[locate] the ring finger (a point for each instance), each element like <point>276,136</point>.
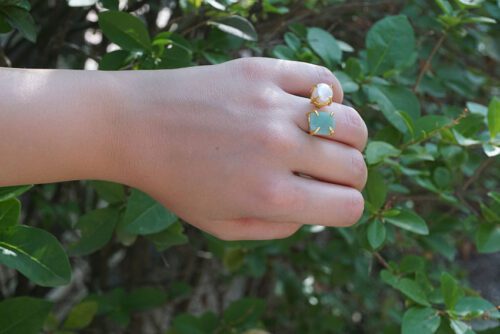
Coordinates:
<point>350,128</point>
<point>331,162</point>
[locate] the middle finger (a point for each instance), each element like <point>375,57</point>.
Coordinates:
<point>350,128</point>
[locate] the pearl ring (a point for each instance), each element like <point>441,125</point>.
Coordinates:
<point>321,122</point>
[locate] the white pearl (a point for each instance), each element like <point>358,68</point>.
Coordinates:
<point>323,93</point>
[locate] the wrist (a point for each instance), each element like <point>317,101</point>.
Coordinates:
<point>111,119</point>
<point>85,125</point>
<point>136,119</point>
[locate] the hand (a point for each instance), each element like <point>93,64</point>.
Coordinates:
<point>222,146</point>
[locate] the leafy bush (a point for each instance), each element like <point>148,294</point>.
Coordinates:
<point>423,74</point>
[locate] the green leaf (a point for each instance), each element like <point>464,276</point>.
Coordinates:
<point>376,233</point>
<point>215,57</point>
<point>283,52</point>
<point>234,258</point>
<point>175,50</point>
<point>246,310</point>
<point>378,151</point>
<point>412,264</point>
<point>418,320</point>
<point>354,68</point>
<point>376,189</point>
<point>9,212</point>
<point>111,4</point>
<point>442,177</point>
<point>171,236</point>
<point>268,6</point>
<point>97,229</point>
<point>145,298</point>
<point>413,291</point>
<point>348,85</point>
<point>401,99</point>
<point>494,117</point>
<point>469,3</point>
<point>390,43</point>
<point>476,307</point>
<point>325,46</point>
<point>426,124</point>
<point>476,108</point>
<point>112,304</point>
<point>36,254</point>
<point>109,191</point>
<point>20,19</point>
<point>23,315</point>
<point>11,192</point>
<point>389,278</point>
<point>410,221</point>
<point>81,315</point>
<point>488,238</point>
<point>216,4</point>
<point>115,60</point>
<point>187,324</point>
<point>464,141</point>
<point>393,101</point>
<point>292,41</point>
<point>445,6</point>
<point>491,150</point>
<point>479,19</point>
<point>235,25</point>
<point>125,30</point>
<point>23,4</point>
<point>460,327</point>
<point>495,195</point>
<point>4,26</point>
<point>144,215</point>
<point>450,290</point>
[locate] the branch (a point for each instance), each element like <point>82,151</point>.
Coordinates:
<point>427,63</point>
<point>477,174</point>
<point>453,123</point>
<point>381,260</point>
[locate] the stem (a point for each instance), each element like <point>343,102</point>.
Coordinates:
<point>477,173</point>
<point>428,61</point>
<point>433,132</point>
<point>382,261</point>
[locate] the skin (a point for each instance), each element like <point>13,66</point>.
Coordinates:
<point>225,146</point>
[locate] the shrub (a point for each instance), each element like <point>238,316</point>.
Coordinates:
<point>425,77</point>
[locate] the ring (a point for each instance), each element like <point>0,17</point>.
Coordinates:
<point>321,123</point>
<point>322,95</point>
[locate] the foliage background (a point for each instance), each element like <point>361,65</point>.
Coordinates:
<point>96,257</point>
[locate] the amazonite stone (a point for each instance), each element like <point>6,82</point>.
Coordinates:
<point>323,120</point>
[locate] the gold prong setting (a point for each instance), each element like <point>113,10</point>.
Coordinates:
<point>322,95</point>
<point>321,123</point>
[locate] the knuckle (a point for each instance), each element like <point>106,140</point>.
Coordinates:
<point>266,99</point>
<point>276,197</point>
<point>324,74</point>
<point>275,139</point>
<point>251,68</point>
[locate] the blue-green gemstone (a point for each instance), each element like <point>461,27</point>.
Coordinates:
<point>324,120</point>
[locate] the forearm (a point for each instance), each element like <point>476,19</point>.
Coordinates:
<point>56,125</point>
